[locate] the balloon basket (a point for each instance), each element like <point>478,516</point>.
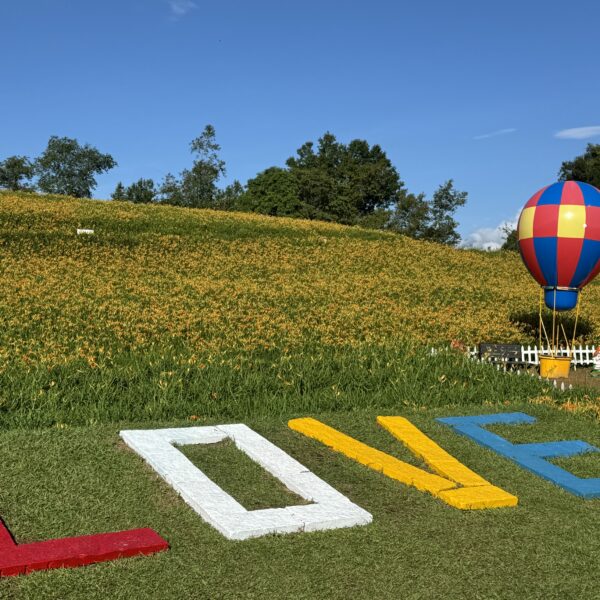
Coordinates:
<point>555,367</point>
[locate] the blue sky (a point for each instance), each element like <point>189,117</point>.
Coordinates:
<point>474,91</point>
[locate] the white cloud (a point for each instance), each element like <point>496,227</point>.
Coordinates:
<point>490,238</point>
<point>485,136</point>
<point>179,8</point>
<point>578,133</point>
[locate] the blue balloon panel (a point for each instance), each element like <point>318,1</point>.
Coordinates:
<point>561,299</point>
<point>590,254</point>
<point>545,249</point>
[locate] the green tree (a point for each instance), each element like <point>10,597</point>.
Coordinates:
<point>68,168</point>
<point>353,183</point>
<point>229,198</point>
<point>142,191</point>
<point>15,171</point>
<point>378,219</point>
<point>169,191</point>
<point>197,187</point>
<point>512,239</point>
<point>584,168</point>
<point>442,225</point>
<point>433,220</point>
<point>119,193</point>
<point>410,216</point>
<point>344,183</point>
<point>274,192</point>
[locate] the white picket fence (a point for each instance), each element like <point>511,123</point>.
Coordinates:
<point>531,355</point>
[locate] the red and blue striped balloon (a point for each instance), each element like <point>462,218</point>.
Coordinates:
<point>559,240</point>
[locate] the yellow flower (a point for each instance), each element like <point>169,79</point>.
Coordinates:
<point>164,277</point>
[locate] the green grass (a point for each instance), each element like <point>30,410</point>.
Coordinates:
<point>160,385</point>
<point>73,481</point>
<point>241,477</point>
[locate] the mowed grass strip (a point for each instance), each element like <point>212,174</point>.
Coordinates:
<point>73,481</point>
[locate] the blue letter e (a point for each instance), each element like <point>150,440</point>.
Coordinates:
<point>529,456</point>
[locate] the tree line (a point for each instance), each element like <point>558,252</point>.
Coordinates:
<point>352,184</point>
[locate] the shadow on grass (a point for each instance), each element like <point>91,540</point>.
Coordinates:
<point>528,322</point>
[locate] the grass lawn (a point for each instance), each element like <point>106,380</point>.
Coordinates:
<point>78,480</point>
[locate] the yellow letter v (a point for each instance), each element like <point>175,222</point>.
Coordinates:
<point>475,492</point>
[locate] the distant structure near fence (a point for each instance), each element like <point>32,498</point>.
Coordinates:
<point>515,354</point>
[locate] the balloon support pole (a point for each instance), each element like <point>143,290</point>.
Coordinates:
<point>552,365</point>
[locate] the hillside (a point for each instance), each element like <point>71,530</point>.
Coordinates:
<point>163,305</point>
<point>229,280</point>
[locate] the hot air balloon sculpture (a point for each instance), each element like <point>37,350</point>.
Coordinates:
<point>559,241</point>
